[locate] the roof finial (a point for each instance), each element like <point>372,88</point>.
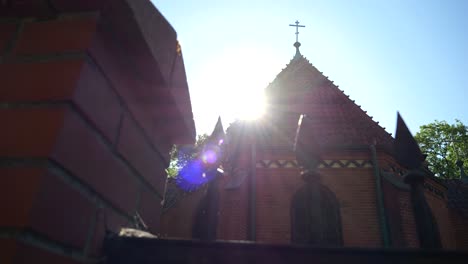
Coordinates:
<point>297,44</point>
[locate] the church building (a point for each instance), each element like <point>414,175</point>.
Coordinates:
<point>93,96</point>
<point>358,196</point>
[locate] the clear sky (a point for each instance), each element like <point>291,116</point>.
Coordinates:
<point>395,55</point>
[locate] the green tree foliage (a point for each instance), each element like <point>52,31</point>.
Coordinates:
<point>182,154</point>
<point>444,145</point>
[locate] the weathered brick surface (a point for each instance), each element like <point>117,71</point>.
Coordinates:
<point>347,155</point>
<point>180,93</point>
<point>393,214</point>
<point>150,210</point>
<point>274,154</point>
<point>7,31</point>
<point>56,36</point>
<point>460,229</point>
<point>137,150</point>
<point>80,151</point>
<point>177,222</point>
<point>78,81</point>
<point>95,97</point>
<point>408,221</point>
<point>161,41</point>
<point>408,224</point>
<point>275,190</point>
<point>30,132</point>
<point>442,217</point>
<point>356,194</point>
<point>233,211</point>
<point>39,200</point>
<point>67,85</point>
<point>19,188</point>
<point>61,213</point>
<point>38,81</point>
<point>355,191</point>
<point>139,96</point>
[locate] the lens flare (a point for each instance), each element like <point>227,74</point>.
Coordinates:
<point>209,157</point>
<point>203,168</point>
<point>253,106</point>
<point>194,175</point>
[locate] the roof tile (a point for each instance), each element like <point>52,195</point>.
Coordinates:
<point>300,88</point>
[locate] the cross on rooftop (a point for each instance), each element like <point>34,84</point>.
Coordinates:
<point>297,29</point>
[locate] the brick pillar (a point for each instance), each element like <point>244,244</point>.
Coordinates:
<point>82,150</point>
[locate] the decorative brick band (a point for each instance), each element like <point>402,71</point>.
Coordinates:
<point>274,164</point>
<point>333,164</point>
<point>393,169</point>
<point>431,188</point>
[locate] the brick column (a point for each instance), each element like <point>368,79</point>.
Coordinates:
<point>82,149</point>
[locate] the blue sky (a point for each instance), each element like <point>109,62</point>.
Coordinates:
<point>408,56</point>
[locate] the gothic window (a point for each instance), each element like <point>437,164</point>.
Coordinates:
<point>315,217</point>
<point>426,224</point>
<point>437,243</point>
<point>206,215</point>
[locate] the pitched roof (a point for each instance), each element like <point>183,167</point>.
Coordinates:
<point>336,120</point>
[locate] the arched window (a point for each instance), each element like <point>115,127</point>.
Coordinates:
<point>206,215</point>
<point>315,217</point>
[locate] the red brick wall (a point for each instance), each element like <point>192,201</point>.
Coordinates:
<point>353,187</point>
<point>460,229</point>
<point>178,220</point>
<point>275,190</point>
<point>233,211</point>
<point>80,149</point>
<point>408,221</point>
<point>441,214</point>
<point>391,195</point>
<point>356,194</point>
<point>408,224</point>
<point>355,191</point>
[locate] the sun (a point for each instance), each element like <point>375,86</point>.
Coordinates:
<point>250,105</point>
<point>245,74</point>
<point>232,85</point>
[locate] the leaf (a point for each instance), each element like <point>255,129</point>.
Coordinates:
<point>182,154</point>
<point>444,144</point>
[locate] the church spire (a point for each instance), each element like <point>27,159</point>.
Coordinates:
<point>297,44</point>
